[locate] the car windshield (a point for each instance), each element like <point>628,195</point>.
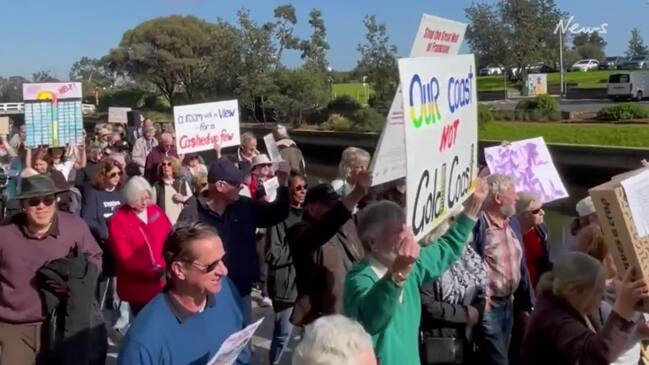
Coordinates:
<point>638,58</point>
<point>618,79</point>
<point>583,62</point>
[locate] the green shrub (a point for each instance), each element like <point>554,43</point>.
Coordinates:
<point>546,104</point>
<point>484,115</point>
<point>336,122</point>
<point>344,105</point>
<point>535,115</point>
<point>623,112</point>
<point>519,115</point>
<point>525,104</point>
<point>368,119</point>
<point>554,116</point>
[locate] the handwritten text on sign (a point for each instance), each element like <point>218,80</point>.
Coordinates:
<point>200,126</point>
<point>441,136</point>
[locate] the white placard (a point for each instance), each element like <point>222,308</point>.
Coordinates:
<point>233,345</point>
<point>272,149</point>
<point>441,135</point>
<point>270,187</point>
<point>199,126</point>
<point>636,189</point>
<point>435,37</point>
<point>118,115</point>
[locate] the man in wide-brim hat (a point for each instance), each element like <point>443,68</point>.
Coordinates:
<point>32,238</point>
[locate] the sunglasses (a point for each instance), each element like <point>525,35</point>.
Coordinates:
<point>166,164</point>
<point>535,211</point>
<point>115,174</point>
<point>301,187</point>
<point>48,201</point>
<point>206,269</point>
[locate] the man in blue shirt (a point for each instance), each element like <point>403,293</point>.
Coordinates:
<point>197,311</point>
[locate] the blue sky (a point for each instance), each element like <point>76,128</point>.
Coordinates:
<point>50,35</point>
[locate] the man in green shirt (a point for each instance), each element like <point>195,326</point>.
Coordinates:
<point>382,291</point>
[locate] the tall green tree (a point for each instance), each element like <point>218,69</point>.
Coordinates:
<point>93,71</point>
<point>314,50</point>
<point>285,20</point>
<point>298,92</point>
<point>379,61</point>
<point>170,52</point>
<point>637,46</point>
<point>11,89</point>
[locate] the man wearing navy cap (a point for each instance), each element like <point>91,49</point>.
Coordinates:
<point>236,218</point>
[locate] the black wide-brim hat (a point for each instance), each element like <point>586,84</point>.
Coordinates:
<point>36,186</point>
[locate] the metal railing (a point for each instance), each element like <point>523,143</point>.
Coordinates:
<point>19,108</point>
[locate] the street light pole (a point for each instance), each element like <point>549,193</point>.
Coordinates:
<point>561,60</point>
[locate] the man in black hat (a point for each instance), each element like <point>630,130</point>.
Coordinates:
<point>29,240</point>
<point>236,217</point>
<point>324,247</point>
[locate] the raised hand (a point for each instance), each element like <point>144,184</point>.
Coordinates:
<point>630,293</point>
<point>407,254</point>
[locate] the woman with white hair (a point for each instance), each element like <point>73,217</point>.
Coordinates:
<point>352,159</point>
<point>137,232</point>
<point>335,340</point>
<point>563,331</point>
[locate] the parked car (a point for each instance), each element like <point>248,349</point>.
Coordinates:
<point>625,85</point>
<point>636,63</point>
<point>539,68</point>
<point>490,70</point>
<point>585,65</point>
<point>611,63</point>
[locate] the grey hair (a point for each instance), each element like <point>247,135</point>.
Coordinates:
<point>349,156</point>
<point>247,136</point>
<point>498,184</point>
<point>375,216</point>
<point>332,340</point>
<point>575,270</point>
<point>525,200</point>
<point>135,187</point>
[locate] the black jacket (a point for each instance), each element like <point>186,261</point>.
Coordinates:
<point>281,272</point>
<point>76,331</point>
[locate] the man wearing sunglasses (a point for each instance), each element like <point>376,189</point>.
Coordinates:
<point>36,236</point>
<point>196,312</point>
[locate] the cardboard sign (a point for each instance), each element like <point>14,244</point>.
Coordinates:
<point>53,114</point>
<point>4,126</point>
<point>528,161</point>
<point>272,149</point>
<point>199,126</point>
<point>626,244</point>
<point>118,115</point>
<point>435,37</point>
<point>441,131</point>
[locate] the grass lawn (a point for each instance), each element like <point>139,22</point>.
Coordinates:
<point>583,134</point>
<point>591,79</point>
<point>353,89</point>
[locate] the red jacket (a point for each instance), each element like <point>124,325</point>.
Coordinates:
<point>138,259</point>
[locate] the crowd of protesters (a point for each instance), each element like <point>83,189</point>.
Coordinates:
<point>120,238</point>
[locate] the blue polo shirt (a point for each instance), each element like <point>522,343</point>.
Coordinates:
<point>164,333</point>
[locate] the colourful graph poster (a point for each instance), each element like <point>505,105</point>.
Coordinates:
<point>53,114</point>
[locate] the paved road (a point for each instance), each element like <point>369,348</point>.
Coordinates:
<point>568,105</point>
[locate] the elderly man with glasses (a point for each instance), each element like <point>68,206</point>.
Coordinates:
<point>31,239</point>
<point>198,310</point>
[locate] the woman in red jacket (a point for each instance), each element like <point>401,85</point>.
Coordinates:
<point>137,232</point>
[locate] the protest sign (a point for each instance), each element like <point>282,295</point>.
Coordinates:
<point>53,114</point>
<point>4,126</point>
<point>441,135</point>
<point>118,115</point>
<point>530,163</point>
<point>623,223</point>
<point>271,148</point>
<point>233,345</point>
<point>537,84</point>
<point>270,187</point>
<point>435,37</point>
<point>199,126</point>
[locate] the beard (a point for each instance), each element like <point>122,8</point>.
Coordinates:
<point>508,210</point>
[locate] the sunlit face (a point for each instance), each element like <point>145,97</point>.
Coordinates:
<point>207,269</point>
<point>113,177</point>
<point>148,134</point>
<point>298,187</point>
<point>193,162</point>
<point>167,169</point>
<point>166,141</point>
<point>508,201</point>
<point>21,131</point>
<point>263,171</point>
<point>40,210</point>
<point>229,191</point>
<point>41,166</point>
<point>142,202</point>
<point>250,146</point>
<point>534,214</point>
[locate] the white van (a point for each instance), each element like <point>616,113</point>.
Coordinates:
<point>624,85</point>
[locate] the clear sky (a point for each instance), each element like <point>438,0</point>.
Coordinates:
<point>52,34</point>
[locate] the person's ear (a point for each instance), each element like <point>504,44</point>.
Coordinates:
<point>178,270</point>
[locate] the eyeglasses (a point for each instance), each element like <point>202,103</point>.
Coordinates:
<point>166,164</point>
<point>301,187</point>
<point>47,200</point>
<point>115,174</point>
<point>206,269</point>
<point>536,211</point>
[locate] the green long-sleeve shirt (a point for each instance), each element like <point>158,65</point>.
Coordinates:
<point>390,313</point>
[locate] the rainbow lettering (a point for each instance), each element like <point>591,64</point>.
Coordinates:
<point>423,106</point>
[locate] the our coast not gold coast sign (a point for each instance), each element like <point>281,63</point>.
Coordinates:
<point>441,133</point>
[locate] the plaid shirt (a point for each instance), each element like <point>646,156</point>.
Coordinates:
<point>502,253</point>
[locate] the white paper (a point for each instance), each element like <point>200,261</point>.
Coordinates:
<point>636,189</point>
<point>271,148</point>
<point>233,345</point>
<point>270,187</point>
<point>118,115</point>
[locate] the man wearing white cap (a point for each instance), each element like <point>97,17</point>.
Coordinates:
<point>586,216</point>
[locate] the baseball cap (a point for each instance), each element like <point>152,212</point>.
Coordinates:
<point>224,170</point>
<point>321,193</point>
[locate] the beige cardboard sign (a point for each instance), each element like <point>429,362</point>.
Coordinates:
<point>4,126</point>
